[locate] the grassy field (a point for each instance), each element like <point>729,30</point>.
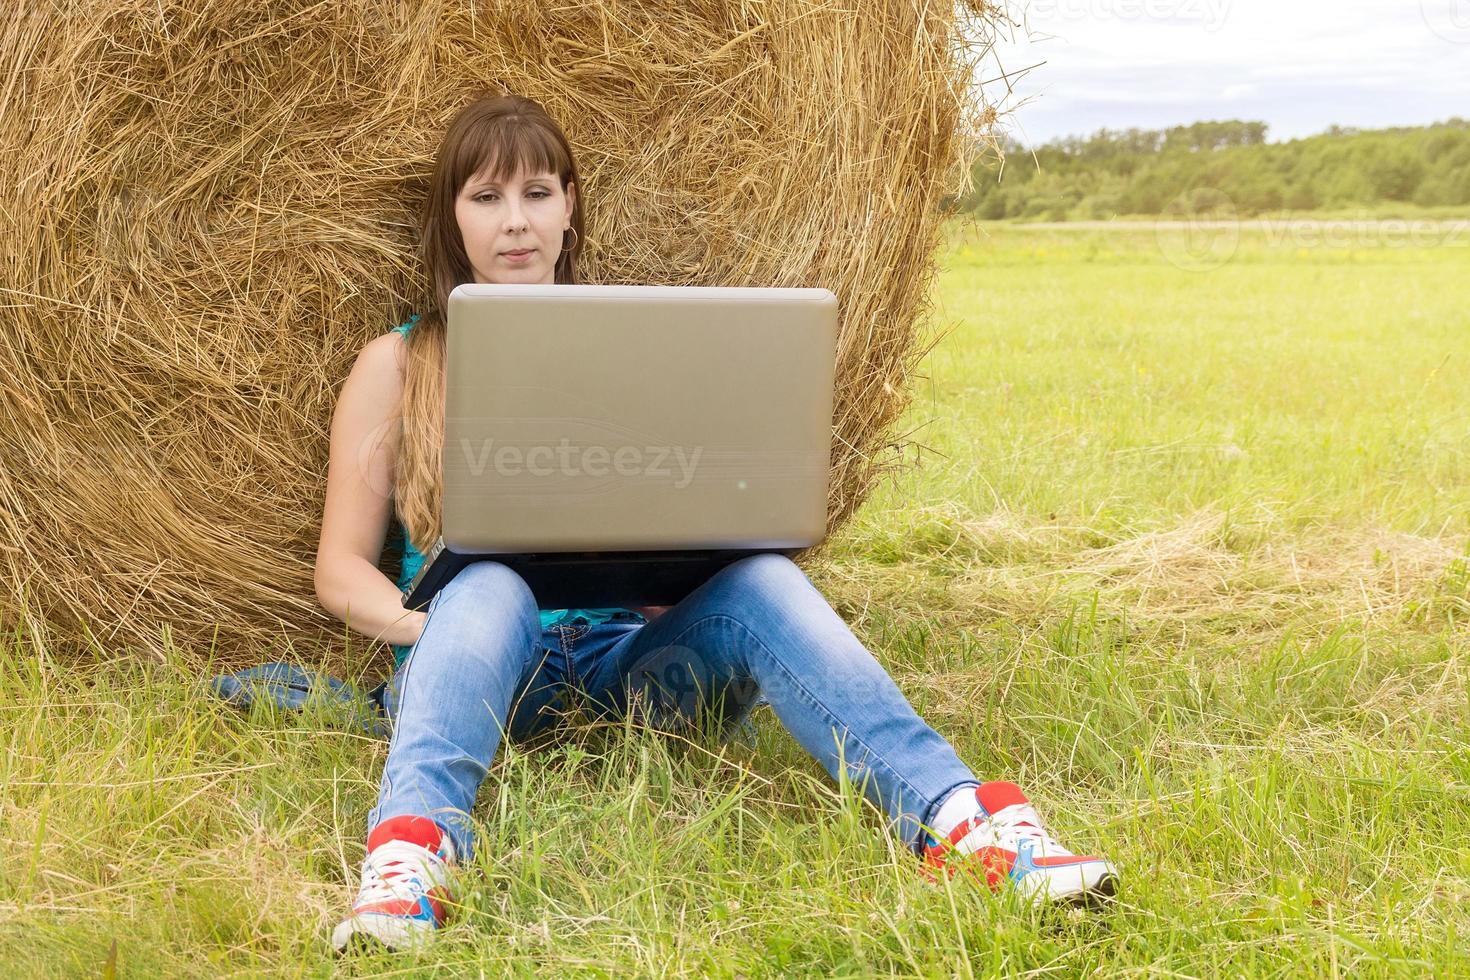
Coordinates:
<point>1183,555</point>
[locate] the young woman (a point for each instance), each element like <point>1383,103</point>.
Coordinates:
<point>505,206</point>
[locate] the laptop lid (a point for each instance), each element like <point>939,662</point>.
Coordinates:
<point>606,418</point>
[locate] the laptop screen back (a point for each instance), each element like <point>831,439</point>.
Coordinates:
<point>592,418</point>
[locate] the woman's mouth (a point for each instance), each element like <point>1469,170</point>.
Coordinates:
<point>520,255</point>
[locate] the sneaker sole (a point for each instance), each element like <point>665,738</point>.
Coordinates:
<point>1087,883</point>
<point>390,932</point>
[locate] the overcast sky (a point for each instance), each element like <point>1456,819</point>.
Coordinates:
<point>1299,65</point>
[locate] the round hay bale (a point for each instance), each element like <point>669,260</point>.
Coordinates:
<point>211,208</point>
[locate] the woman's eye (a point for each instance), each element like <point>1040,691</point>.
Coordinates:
<point>536,194</point>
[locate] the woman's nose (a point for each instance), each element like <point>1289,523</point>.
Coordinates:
<point>515,219</point>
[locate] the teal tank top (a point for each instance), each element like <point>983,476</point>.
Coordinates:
<point>413,560</point>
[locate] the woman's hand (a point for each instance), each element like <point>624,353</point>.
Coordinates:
<point>419,619</point>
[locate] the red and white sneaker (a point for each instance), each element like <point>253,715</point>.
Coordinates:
<point>1004,842</point>
<point>405,884</point>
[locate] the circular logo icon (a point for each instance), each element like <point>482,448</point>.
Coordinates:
<point>1449,19</point>
<point>671,683</point>
<point>374,456</point>
<point>1199,230</point>
<point>675,688</point>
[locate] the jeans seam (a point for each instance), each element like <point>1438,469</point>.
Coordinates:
<point>522,688</point>
<point>412,651</point>
<point>403,692</point>
<point>811,699</point>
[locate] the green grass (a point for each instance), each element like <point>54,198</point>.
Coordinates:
<point>1184,556</point>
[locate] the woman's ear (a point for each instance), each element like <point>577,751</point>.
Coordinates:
<point>571,199</point>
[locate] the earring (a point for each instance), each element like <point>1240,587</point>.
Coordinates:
<point>574,240</point>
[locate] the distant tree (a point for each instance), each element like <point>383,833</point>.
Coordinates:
<point>1302,197</point>
<point>1139,171</point>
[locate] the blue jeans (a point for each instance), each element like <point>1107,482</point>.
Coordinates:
<point>483,667</point>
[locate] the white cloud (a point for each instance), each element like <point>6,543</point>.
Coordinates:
<point>1301,65</point>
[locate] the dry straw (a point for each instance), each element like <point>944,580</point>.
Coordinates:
<point>210,207</point>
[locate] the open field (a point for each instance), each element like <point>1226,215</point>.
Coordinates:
<point>1184,555</point>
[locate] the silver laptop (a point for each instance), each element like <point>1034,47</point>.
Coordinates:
<point>618,445</point>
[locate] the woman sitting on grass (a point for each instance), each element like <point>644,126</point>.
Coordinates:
<point>505,206</point>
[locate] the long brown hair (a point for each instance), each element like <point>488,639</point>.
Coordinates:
<point>512,133</point>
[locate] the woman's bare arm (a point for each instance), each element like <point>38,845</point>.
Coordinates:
<point>358,504</point>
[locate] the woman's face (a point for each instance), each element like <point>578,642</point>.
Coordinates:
<point>526,214</point>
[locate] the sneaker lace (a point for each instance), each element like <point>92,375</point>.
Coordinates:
<point>400,870</point>
<point>1008,827</point>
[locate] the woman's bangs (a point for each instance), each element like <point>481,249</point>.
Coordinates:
<point>502,151</point>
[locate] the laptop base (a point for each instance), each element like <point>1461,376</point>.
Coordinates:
<point>569,580</point>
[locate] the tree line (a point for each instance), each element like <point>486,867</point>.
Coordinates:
<point>1223,166</point>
